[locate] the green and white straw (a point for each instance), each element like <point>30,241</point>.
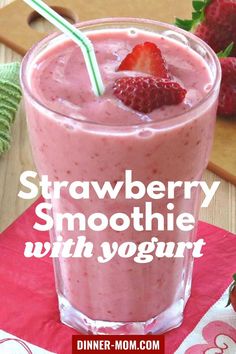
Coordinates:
<point>78,37</point>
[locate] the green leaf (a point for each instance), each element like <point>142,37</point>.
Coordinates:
<point>224,54</point>
<point>184,24</point>
<point>196,15</point>
<point>198,5</point>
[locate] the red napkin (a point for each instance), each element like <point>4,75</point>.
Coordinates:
<point>29,303</point>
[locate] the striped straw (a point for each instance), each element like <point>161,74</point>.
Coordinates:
<point>78,37</point>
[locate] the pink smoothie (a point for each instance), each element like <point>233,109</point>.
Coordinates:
<point>104,139</point>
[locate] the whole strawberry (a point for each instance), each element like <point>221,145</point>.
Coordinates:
<point>216,39</point>
<point>227,97</point>
<point>232,294</point>
<point>221,13</point>
<point>214,21</point>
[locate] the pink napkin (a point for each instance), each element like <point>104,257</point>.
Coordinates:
<point>29,303</point>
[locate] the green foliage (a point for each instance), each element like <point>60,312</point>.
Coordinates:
<point>198,16</point>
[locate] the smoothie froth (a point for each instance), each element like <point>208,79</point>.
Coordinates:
<point>62,82</point>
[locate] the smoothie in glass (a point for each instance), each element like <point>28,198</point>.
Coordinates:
<point>78,136</point>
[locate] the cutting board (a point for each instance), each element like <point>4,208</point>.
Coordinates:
<point>16,33</point>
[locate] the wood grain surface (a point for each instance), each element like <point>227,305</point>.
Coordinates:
<point>222,210</point>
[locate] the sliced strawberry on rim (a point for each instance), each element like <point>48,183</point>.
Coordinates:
<point>145,58</point>
<point>144,94</point>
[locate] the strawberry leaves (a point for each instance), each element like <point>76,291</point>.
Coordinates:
<point>198,5</point>
<point>198,16</point>
<point>226,52</point>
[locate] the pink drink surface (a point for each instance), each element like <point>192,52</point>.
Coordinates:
<point>66,149</point>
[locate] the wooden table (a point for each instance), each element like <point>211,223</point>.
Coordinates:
<point>221,212</point>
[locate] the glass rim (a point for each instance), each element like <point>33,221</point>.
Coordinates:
<point>125,20</point>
